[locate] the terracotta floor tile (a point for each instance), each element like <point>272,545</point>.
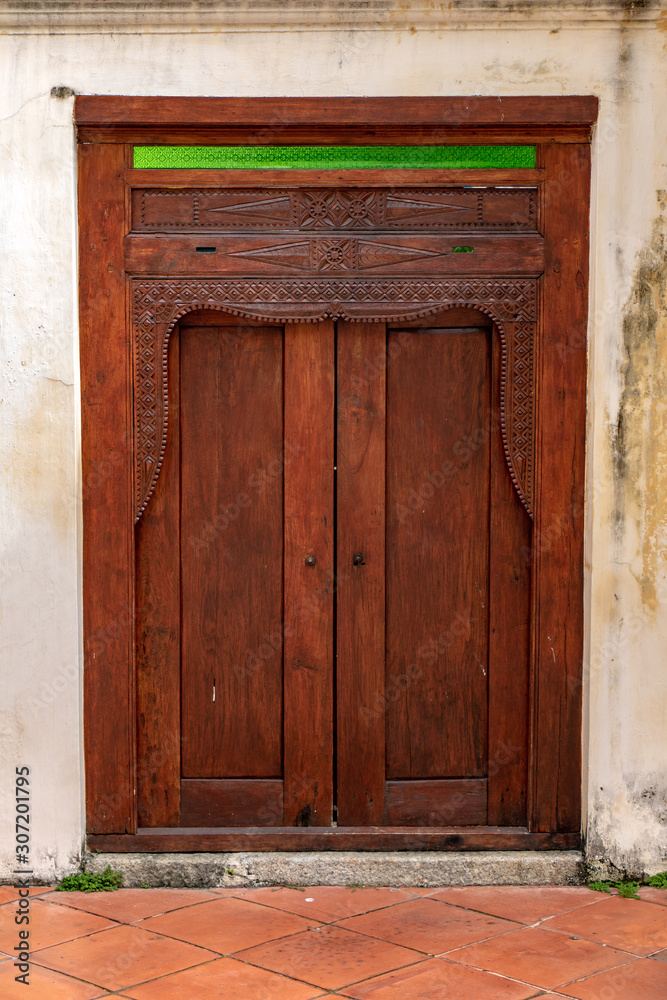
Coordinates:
<point>328,902</point>
<point>428,925</point>
<point>540,957</point>
<point>49,925</point>
<point>45,984</point>
<point>127,905</point>
<point>652,895</point>
<point>227,925</point>
<point>642,980</point>
<point>439,978</point>
<point>8,893</point>
<point>630,924</point>
<point>329,957</point>
<point>421,891</point>
<point>226,979</point>
<point>524,903</point>
<point>121,957</point>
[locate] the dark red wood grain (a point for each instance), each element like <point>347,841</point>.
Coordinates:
<point>438,414</point>
<point>460,838</point>
<point>108,542</point>
<point>558,534</point>
<point>355,120</point>
<point>509,632</point>
<point>211,178</point>
<point>403,255</point>
<point>449,802</point>
<point>360,592</point>
<point>231,551</point>
<point>309,586</point>
<point>231,802</point>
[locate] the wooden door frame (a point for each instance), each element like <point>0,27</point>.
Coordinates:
<point>561,129</point>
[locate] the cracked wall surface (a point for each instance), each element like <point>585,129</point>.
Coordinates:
<point>616,51</point>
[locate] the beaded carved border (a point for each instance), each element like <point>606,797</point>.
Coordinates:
<point>157,304</point>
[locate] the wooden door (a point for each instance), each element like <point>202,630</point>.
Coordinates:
<point>373,244</point>
<point>282,512</point>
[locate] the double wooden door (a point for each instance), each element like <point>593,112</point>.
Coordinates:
<point>333,591</point>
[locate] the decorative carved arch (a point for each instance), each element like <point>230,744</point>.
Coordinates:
<point>158,304</point>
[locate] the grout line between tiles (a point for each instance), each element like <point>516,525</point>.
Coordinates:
<point>422,957</point>
<point>487,913</point>
<point>548,989</point>
<point>375,909</point>
<point>129,986</point>
<point>78,937</point>
<point>600,944</point>
<point>185,906</point>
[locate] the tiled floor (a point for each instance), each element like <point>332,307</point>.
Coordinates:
<point>491,943</point>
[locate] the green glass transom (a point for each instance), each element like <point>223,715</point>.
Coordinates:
<point>333,157</point>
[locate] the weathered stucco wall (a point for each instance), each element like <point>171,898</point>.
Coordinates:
<point>612,50</point>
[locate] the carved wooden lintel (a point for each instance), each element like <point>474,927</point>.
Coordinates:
<point>159,303</point>
<point>308,210</point>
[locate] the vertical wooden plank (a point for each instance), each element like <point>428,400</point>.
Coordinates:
<point>509,631</point>
<point>232,461</point>
<point>360,544</point>
<point>108,572</point>
<point>558,553</point>
<point>158,631</point>
<point>309,574</point>
<point>438,412</point>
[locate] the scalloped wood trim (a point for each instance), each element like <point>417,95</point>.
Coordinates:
<point>158,304</point>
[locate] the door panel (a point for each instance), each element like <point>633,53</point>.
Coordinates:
<point>454,802</point>
<point>231,802</point>
<point>231,551</point>
<point>438,423</point>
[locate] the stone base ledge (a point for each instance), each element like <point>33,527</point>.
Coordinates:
<point>362,868</point>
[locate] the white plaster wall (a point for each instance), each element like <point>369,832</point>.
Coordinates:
<point>620,59</point>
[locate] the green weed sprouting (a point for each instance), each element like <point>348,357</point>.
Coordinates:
<point>106,881</point>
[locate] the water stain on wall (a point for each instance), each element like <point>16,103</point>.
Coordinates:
<point>639,439</point>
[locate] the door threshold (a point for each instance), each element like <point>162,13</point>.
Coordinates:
<point>214,839</point>
<point>426,868</point>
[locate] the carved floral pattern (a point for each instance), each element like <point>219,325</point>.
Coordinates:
<point>159,303</point>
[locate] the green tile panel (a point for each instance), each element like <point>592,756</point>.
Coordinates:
<point>333,157</point>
